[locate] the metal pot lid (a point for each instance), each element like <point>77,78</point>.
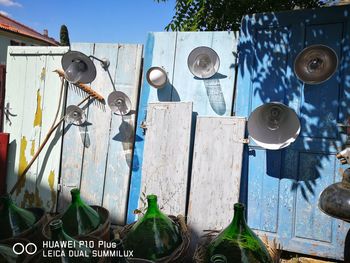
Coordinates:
<point>119,103</point>
<point>315,64</point>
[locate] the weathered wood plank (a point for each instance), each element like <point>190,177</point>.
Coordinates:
<point>28,79</point>
<point>121,137</point>
<point>27,194</point>
<point>95,156</point>
<point>295,176</point>
<point>159,51</point>
<point>73,148</point>
<point>108,158</point>
<point>212,96</point>
<point>166,158</point>
<point>49,158</point>
<point>14,98</point>
<point>216,173</point>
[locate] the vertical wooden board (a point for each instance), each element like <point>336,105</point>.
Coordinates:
<point>16,66</point>
<point>159,51</point>
<point>49,158</point>
<point>2,94</point>
<point>121,137</point>
<point>212,96</point>
<point>95,156</point>
<point>166,158</point>
<point>73,148</point>
<point>269,44</point>
<point>263,195</point>
<point>313,223</point>
<point>28,192</point>
<point>163,55</point>
<point>216,172</point>
<point>26,92</point>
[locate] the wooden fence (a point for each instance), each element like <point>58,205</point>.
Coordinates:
<point>191,153</point>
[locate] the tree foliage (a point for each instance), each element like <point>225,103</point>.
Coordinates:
<point>64,37</point>
<point>226,15</point>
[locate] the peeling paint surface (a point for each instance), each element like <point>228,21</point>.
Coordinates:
<point>51,181</point>
<point>33,90</point>
<point>22,163</point>
<point>31,199</point>
<point>43,74</point>
<point>32,149</point>
<point>38,113</point>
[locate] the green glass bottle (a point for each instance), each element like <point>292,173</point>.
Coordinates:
<point>13,219</point>
<point>7,254</point>
<point>79,218</point>
<point>154,235</point>
<point>238,243</point>
<point>75,252</point>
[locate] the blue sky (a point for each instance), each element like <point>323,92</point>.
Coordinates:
<point>109,21</point>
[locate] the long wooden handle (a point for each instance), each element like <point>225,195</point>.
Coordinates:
<point>47,137</point>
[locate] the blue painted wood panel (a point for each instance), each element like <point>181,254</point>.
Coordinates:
<point>212,97</point>
<point>102,170</point>
<point>282,187</point>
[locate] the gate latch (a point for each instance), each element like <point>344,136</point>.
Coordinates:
<point>8,113</point>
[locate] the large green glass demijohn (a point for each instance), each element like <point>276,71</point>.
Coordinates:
<point>13,219</point>
<point>76,252</point>
<point>79,218</point>
<point>154,235</point>
<point>238,243</point>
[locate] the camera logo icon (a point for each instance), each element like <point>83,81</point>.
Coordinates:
<point>29,248</point>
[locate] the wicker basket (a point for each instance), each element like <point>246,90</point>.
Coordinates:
<point>201,249</point>
<point>180,253</point>
<point>199,256</point>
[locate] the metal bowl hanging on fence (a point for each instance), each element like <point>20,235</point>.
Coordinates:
<point>315,64</point>
<point>75,115</point>
<point>78,67</point>
<point>203,62</point>
<point>335,199</point>
<point>119,103</point>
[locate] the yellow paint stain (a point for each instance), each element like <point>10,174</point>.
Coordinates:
<point>51,180</point>
<point>39,112</point>
<point>32,149</point>
<point>31,199</point>
<point>43,74</point>
<point>22,163</point>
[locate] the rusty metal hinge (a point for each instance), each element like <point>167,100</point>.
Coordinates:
<point>8,113</point>
<point>143,126</point>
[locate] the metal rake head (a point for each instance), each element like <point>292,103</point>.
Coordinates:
<point>81,88</point>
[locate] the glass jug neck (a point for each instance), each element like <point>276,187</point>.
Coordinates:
<point>152,205</point>
<point>75,193</point>
<point>56,229</point>
<point>238,218</point>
